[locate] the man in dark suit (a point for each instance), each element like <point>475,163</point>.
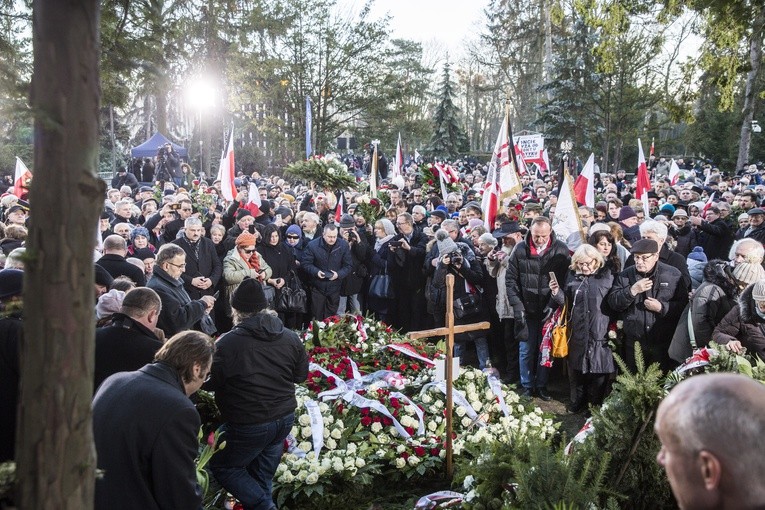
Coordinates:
<point>203,267</point>
<point>145,429</point>
<point>113,260</point>
<point>131,340</point>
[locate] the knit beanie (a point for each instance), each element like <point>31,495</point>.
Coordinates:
<point>488,239</point>
<point>294,230</point>
<point>748,273</point>
<point>758,290</point>
<point>144,253</point>
<point>241,213</point>
<point>445,243</point>
<point>103,277</point>
<point>246,239</point>
<point>698,254</point>
<point>139,231</point>
<point>388,226</point>
<point>11,283</point>
<point>249,297</point>
<point>109,303</point>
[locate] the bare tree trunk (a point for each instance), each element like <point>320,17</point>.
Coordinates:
<point>548,58</point>
<point>755,60</point>
<point>55,453</point>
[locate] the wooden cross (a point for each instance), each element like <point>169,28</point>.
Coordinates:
<point>449,331</point>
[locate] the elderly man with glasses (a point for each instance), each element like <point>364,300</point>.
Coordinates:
<point>649,297</point>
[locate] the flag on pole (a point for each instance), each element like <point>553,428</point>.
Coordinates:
<point>502,178</point>
<point>340,209</point>
<point>566,220</point>
<point>674,173</point>
<point>709,204</point>
<point>308,127</point>
<point>650,153</point>
<point>398,167</point>
<point>544,164</point>
<point>253,200</point>
<point>227,170</point>
<point>521,161</point>
<point>584,187</point>
<point>373,174</point>
<point>445,173</point>
<point>20,178</point>
<point>416,155</point>
<point>643,183</point>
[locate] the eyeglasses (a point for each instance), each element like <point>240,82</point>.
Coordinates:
<point>207,377</point>
<point>179,266</point>
<point>186,210</point>
<point>248,251</point>
<point>398,223</point>
<point>293,237</point>
<point>587,263</point>
<point>644,258</point>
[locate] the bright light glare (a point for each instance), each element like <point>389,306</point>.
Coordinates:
<point>200,93</point>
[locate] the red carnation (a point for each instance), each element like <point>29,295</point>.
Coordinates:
<point>430,182</point>
<point>366,421</point>
<point>434,452</point>
<point>419,451</point>
<point>387,421</point>
<point>404,455</point>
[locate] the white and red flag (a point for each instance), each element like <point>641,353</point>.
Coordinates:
<point>21,178</point>
<point>227,170</point>
<point>650,152</point>
<point>398,166</point>
<point>584,187</point>
<point>501,178</point>
<point>674,172</point>
<point>709,204</point>
<point>643,183</point>
<point>566,220</point>
<point>519,159</point>
<point>340,209</point>
<point>253,200</point>
<point>544,164</point>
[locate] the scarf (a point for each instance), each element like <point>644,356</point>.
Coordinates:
<point>380,242</point>
<point>254,262</point>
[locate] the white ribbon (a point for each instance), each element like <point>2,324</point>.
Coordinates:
<point>404,350</point>
<point>496,388</point>
<point>417,410</point>
<point>357,400</point>
<point>459,398</point>
<point>317,425</point>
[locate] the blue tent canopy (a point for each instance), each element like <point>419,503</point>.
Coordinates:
<point>150,147</point>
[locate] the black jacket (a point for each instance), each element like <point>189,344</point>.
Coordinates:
<point>353,283</point>
<point>319,256</point>
<point>585,297</point>
<point>468,272</point>
<point>116,265</point>
<point>145,430</point>
<point>406,267</point>
<point>528,276</point>
<point>179,312</point>
<point>201,262</point>
<point>743,324</point>
<point>716,238</point>
<point>670,258</point>
<point>124,346</point>
<point>686,238</point>
<point>254,371</point>
<point>10,336</point>
<point>653,330</point>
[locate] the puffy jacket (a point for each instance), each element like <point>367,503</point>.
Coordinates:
<point>587,308</point>
<point>743,324</point>
<point>255,368</point>
<point>319,256</point>
<point>528,276</point>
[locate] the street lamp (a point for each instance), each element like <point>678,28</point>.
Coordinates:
<point>201,95</point>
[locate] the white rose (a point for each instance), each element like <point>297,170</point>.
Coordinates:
<point>620,324</point>
<point>304,420</point>
<point>351,449</point>
<point>426,399</point>
<point>305,446</point>
<point>460,411</point>
<point>360,462</point>
<point>336,434</point>
<point>302,475</point>
<point>305,432</point>
<point>331,444</point>
<point>400,463</point>
<point>287,477</point>
<point>377,427</point>
<point>413,460</point>
<point>400,448</point>
<point>337,465</point>
<point>466,421</point>
<point>312,478</point>
<point>612,334</point>
<point>432,426</point>
<point>469,375</point>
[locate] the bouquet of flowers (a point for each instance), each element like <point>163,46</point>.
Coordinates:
<point>429,176</point>
<point>371,208</point>
<point>327,172</point>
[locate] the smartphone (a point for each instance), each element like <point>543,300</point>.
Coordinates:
<point>553,278</point>
<point>217,293</point>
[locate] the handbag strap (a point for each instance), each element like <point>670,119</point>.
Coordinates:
<point>691,332</point>
<point>562,319</point>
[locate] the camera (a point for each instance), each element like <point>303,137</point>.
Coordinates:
<point>455,257</point>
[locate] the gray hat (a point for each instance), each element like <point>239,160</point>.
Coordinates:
<point>756,210</point>
<point>488,239</point>
<point>758,290</point>
<point>445,243</point>
<point>347,221</point>
<point>645,246</point>
<point>680,212</point>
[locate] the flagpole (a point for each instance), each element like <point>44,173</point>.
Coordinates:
<point>566,147</point>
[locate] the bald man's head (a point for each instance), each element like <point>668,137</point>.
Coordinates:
<point>709,427</point>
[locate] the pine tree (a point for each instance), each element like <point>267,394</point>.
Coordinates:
<point>449,138</point>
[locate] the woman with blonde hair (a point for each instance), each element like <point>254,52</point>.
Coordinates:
<point>583,294</point>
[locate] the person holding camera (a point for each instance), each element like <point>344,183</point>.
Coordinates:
<point>352,284</point>
<point>467,297</point>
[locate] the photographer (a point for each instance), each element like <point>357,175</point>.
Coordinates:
<point>466,279</point>
<point>168,165</point>
<point>353,283</point>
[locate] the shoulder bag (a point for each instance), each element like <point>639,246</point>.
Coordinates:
<point>380,286</point>
<point>291,298</point>
<point>560,335</point>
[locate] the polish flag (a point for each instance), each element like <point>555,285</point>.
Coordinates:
<point>643,183</point>
<point>674,173</point>
<point>20,178</point>
<point>227,171</point>
<point>584,187</point>
<point>339,210</point>
<point>253,200</point>
<point>544,164</point>
<point>398,167</point>
<point>519,159</point>
<point>709,204</point>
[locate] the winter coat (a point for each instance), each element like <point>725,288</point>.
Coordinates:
<point>466,273</point>
<point>319,256</point>
<point>743,324</point>
<point>588,312</point>
<point>711,302</point>
<point>528,276</point>
<point>498,270</point>
<point>145,430</point>
<point>671,258</point>
<point>255,368</point>
<point>716,238</point>
<point>201,262</point>
<point>406,268</point>
<point>116,265</point>
<point>179,312</point>
<point>235,269</point>
<point>686,238</point>
<point>653,330</point>
<point>758,234</point>
<point>124,346</point>
<point>353,283</point>
<point>10,337</point>
<point>696,271</point>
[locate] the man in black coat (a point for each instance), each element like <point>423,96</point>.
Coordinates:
<point>254,372</point>
<point>649,297</point>
<point>145,429</point>
<point>327,260</point>
<point>124,178</point>
<point>756,228</point>
<point>350,289</point>
<point>407,275</point>
<point>11,284</point>
<point>651,229</point>
<point>203,267</point>
<point>113,260</point>
<point>179,311</point>
<point>715,235</point>
<point>528,291</point>
<point>130,341</point>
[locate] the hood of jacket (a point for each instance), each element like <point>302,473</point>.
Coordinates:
<point>716,273</point>
<point>746,306</point>
<point>264,326</point>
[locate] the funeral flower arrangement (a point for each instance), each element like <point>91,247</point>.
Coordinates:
<point>430,175</point>
<point>327,172</point>
<point>372,209</point>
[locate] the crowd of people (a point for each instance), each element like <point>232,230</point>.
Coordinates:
<point>177,264</point>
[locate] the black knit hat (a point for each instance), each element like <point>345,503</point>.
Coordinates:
<point>11,283</point>
<point>249,297</point>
